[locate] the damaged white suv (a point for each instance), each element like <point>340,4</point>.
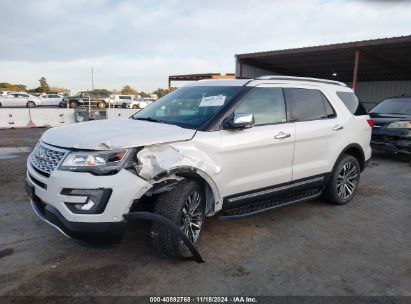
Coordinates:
<point>237,147</point>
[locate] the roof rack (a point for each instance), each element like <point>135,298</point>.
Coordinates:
<point>277,77</point>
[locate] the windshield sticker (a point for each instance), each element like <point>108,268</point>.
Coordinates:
<point>212,101</point>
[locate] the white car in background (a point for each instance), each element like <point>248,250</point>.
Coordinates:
<point>140,103</point>
<point>120,100</point>
<point>51,100</point>
<point>19,100</point>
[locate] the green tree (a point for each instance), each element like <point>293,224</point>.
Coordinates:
<point>161,92</point>
<point>44,87</point>
<point>128,90</point>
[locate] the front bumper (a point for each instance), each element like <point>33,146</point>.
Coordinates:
<point>88,233</point>
<point>392,140</point>
<point>49,201</point>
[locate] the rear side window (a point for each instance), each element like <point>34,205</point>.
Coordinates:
<point>307,104</point>
<point>352,103</point>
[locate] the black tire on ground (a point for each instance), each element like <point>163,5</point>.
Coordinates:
<point>0,105</point>
<point>73,104</point>
<point>101,105</point>
<point>173,205</point>
<point>344,181</point>
<point>30,104</point>
<point>135,107</point>
<point>124,105</point>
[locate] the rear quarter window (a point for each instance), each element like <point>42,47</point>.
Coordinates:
<point>352,103</point>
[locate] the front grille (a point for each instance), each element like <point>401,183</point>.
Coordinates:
<point>46,158</point>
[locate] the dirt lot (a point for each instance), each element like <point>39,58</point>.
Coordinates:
<point>312,248</point>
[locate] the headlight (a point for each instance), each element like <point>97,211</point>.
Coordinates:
<point>103,162</point>
<point>400,125</point>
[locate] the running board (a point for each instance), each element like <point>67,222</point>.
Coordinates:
<point>242,212</point>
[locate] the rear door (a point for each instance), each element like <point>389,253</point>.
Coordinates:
<point>261,156</point>
<point>318,132</point>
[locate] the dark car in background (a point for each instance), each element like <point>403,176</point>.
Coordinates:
<point>392,125</point>
<point>96,98</point>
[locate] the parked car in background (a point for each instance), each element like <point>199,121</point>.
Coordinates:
<point>140,103</point>
<point>4,93</point>
<point>19,100</point>
<point>120,100</point>
<point>233,147</point>
<point>51,99</point>
<point>392,125</point>
<point>96,98</point>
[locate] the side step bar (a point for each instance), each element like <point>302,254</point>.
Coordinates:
<point>242,212</point>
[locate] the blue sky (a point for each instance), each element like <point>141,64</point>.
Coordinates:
<point>140,43</point>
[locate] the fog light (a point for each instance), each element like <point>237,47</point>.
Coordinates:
<point>94,204</point>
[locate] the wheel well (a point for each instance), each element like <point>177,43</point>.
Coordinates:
<point>208,191</point>
<point>357,152</point>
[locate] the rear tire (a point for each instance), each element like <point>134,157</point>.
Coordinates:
<point>135,107</point>
<point>30,104</point>
<point>73,104</point>
<point>184,206</point>
<point>344,181</point>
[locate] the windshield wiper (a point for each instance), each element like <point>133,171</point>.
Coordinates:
<point>148,119</point>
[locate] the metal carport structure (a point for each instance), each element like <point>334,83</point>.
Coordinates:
<point>376,69</point>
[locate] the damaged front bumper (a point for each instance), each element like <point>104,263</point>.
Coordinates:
<point>392,140</point>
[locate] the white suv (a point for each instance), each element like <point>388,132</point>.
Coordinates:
<point>237,147</point>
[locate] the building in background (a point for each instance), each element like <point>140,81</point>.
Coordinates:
<point>376,69</point>
<point>195,77</point>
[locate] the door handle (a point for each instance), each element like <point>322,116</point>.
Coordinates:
<point>282,135</point>
<point>338,127</point>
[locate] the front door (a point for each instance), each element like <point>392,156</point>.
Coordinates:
<point>260,156</point>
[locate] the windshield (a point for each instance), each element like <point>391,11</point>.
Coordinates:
<point>188,107</point>
<point>393,106</point>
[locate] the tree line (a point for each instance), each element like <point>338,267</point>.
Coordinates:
<point>45,88</point>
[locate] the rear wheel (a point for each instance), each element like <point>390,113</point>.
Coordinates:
<point>184,205</point>
<point>30,104</point>
<point>135,106</point>
<point>73,104</point>
<point>344,181</point>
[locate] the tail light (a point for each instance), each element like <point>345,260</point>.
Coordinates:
<point>370,122</point>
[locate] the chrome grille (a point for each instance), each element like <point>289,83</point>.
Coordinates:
<point>46,158</point>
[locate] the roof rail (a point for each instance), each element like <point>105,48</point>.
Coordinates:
<point>279,77</point>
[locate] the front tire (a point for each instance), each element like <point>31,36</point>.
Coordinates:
<point>101,105</point>
<point>30,104</point>
<point>344,181</point>
<point>183,205</point>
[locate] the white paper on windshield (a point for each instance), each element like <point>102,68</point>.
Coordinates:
<point>212,101</point>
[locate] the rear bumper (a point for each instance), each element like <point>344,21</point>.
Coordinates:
<point>395,140</point>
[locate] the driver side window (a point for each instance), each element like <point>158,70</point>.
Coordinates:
<point>266,104</point>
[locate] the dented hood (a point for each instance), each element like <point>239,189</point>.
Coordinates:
<point>115,133</point>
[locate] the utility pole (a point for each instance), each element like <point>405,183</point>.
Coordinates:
<point>92,79</point>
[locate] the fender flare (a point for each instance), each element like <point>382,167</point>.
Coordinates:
<point>348,147</point>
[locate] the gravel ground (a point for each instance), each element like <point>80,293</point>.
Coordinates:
<point>312,248</point>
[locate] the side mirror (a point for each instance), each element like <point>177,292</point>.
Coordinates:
<point>239,121</point>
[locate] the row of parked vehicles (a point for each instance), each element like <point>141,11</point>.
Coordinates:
<point>82,99</point>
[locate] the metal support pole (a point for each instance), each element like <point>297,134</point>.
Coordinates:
<point>92,79</point>
<point>356,66</point>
